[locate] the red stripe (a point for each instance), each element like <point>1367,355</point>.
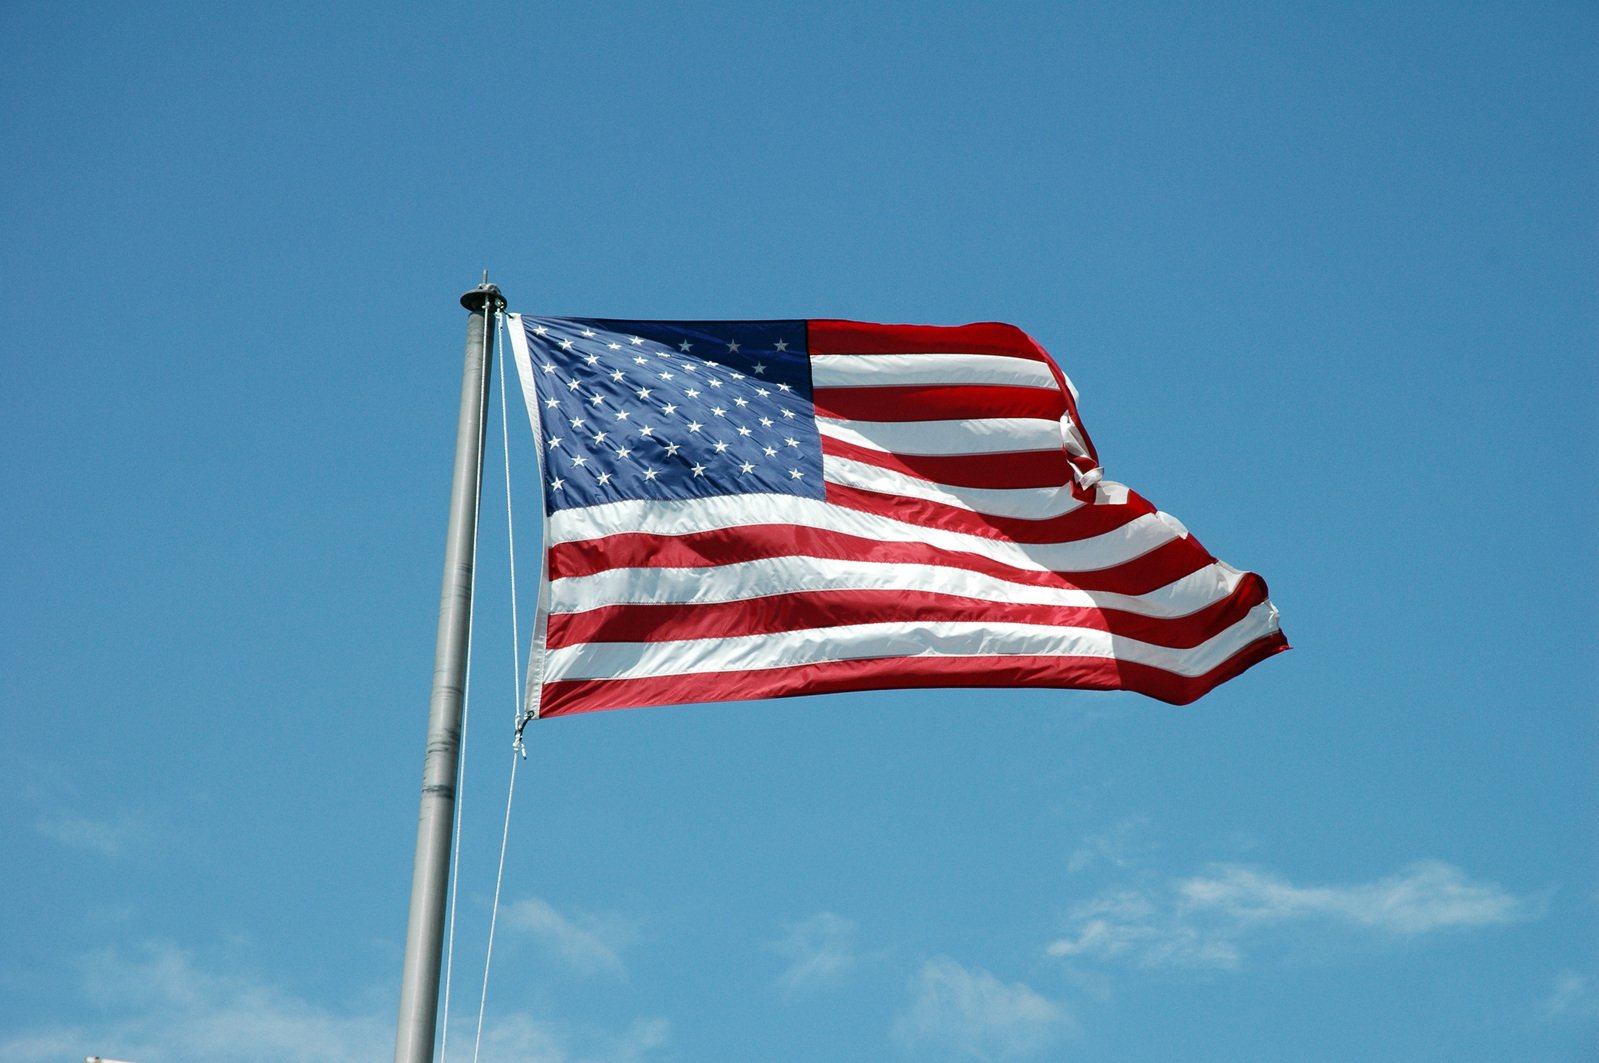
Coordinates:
<point>838,608</point>
<point>945,402</point>
<point>861,337</point>
<point>725,546</point>
<point>1084,522</point>
<point>889,673</point>
<point>1027,468</point>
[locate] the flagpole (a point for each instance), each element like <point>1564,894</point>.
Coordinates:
<point>424,936</point>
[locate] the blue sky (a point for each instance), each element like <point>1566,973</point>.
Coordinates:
<point>1325,275</point>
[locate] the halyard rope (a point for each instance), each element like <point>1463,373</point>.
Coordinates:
<point>517,752</point>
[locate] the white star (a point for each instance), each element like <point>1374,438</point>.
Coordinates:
<point>621,415</point>
<point>694,426</point>
<point>762,392</point>
<point>646,431</point>
<point>617,375</point>
<point>736,376</point>
<point>770,452</point>
<point>720,446</point>
<point>613,346</point>
<point>715,383</point>
<point>685,346</point>
<point>795,474</point>
<point>784,387</point>
<point>649,473</point>
<point>540,330</point>
<point>699,470</point>
<point>580,461</point>
<point>589,333</point>
<point>746,467</point>
<point>782,345</point>
<point>566,345</point>
<point>673,448</point>
<point>640,360</point>
<point>687,366</point>
<point>555,441</point>
<point>743,431</point>
<point>712,365</point>
<point>599,437</point>
<point>788,413</point>
<point>551,403</point>
<point>642,393</point>
<point>597,399</point>
<point>548,368</point>
<point>635,340</point>
<point>573,385</point>
<point>669,408</point>
<point>732,346</point>
<point>577,422</point>
<point>665,376</point>
<point>766,422</point>
<point>759,367</point>
<point>557,483</point>
<point>718,411</point>
<point>592,359</point>
<point>692,393</point>
<point>622,452</point>
<point>741,401</point>
<point>603,478</point>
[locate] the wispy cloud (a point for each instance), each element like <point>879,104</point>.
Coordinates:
<point>523,1040</point>
<point>122,835</point>
<point>1424,897</point>
<point>160,1004</point>
<point>958,1012</point>
<point>820,951</point>
<point>1204,920</point>
<point>1118,847</point>
<point>1574,996</point>
<point>165,1007</point>
<point>590,944</point>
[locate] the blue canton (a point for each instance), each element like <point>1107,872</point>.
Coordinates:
<point>673,410</point>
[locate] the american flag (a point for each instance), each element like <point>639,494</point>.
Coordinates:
<point>756,509</point>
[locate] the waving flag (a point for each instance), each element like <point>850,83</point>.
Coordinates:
<point>756,509</point>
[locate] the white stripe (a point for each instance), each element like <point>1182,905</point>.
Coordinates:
<point>685,517</point>
<point>1027,503</point>
<point>631,660</point>
<point>912,370</point>
<point>768,577</point>
<point>990,435</point>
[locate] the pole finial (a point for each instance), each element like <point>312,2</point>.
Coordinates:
<point>485,298</point>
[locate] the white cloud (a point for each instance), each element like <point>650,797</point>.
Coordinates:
<point>967,1013</point>
<point>1202,921</point>
<point>1129,925</point>
<point>521,1039</point>
<point>820,951</point>
<point>1424,897</point>
<point>167,1008</point>
<point>127,834</point>
<point>160,1005</point>
<point>1574,995</point>
<point>590,944</point>
<point>1119,847</point>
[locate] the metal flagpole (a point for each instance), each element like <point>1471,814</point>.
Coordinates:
<point>424,935</point>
